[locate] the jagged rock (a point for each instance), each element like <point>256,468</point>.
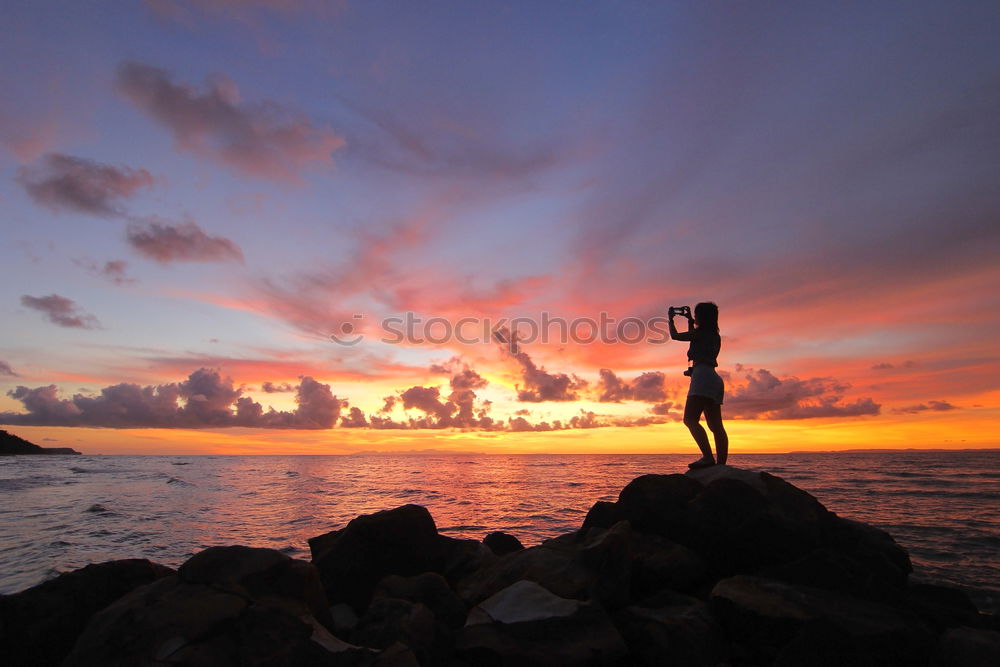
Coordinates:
<point>556,569</point>
<point>39,625</point>
<point>502,543</point>
<point>671,629</point>
<point>226,606</point>
<point>429,589</point>
<point>591,567</point>
<point>400,541</point>
<point>762,616</point>
<point>522,601</point>
<point>463,557</point>
<point>969,647</point>
<point>390,620</point>
<point>525,624</point>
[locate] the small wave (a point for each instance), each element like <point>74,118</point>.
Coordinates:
<point>462,528</point>
<point>178,481</point>
<point>181,463</point>
<point>289,549</point>
<point>575,483</point>
<point>96,508</point>
<point>291,473</point>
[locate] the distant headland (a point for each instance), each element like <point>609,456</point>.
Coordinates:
<point>11,445</point>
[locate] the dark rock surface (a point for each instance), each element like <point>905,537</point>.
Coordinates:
<point>11,445</point>
<point>38,626</point>
<point>502,543</point>
<point>721,566</point>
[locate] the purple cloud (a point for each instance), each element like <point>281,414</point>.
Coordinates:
<point>64,182</point>
<point>929,406</point>
<point>205,400</point>
<point>765,396</point>
<point>166,242</point>
<point>647,387</point>
<point>263,139</point>
<point>5,369</point>
<point>62,311</point>
<point>539,385</point>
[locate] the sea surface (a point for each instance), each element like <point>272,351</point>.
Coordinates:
<point>63,512</point>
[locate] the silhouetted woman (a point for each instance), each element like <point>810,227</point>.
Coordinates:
<point>705,393</point>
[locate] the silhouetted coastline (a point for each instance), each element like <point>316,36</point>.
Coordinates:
<point>12,445</point>
<point>721,565</point>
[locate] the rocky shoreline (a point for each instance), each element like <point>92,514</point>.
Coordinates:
<point>720,566</point>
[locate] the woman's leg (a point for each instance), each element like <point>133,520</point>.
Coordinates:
<point>692,413</point>
<point>713,417</point>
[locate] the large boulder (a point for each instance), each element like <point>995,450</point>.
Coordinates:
<point>763,617</point>
<point>745,522</point>
<point>225,606</point>
<point>525,624</point>
<point>39,625</point>
<point>351,561</point>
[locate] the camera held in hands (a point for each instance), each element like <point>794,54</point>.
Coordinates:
<point>683,311</point>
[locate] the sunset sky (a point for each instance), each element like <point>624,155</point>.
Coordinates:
<point>195,194</point>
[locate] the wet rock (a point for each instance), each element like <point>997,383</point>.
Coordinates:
<point>429,589</point>
<point>225,606</point>
<point>761,617</point>
<point>400,541</point>
<point>502,543</point>
<point>671,629</point>
<point>942,607</point>
<point>39,625</point>
<point>526,624</point>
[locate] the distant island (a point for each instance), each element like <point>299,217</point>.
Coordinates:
<point>11,445</point>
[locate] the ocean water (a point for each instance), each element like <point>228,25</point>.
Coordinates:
<point>60,513</point>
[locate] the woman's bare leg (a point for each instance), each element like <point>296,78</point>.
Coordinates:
<point>692,413</point>
<point>713,417</point>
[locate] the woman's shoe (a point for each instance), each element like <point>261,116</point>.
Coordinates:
<point>703,462</point>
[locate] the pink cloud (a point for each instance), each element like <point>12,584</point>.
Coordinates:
<point>263,139</point>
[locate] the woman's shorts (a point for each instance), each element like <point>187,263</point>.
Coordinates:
<point>706,382</point>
